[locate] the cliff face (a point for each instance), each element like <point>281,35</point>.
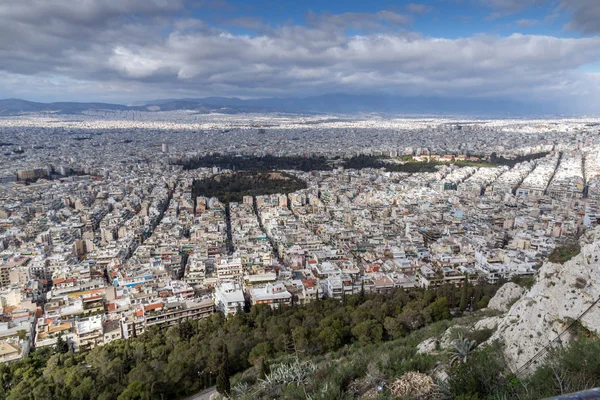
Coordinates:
<point>561,294</point>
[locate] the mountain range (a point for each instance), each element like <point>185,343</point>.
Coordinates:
<point>331,103</point>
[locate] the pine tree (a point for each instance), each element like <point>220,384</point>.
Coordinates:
<point>134,331</point>
<point>361,297</point>
<point>223,383</point>
<point>62,346</point>
<point>464,294</point>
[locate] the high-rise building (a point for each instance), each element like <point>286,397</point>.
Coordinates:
<point>165,148</point>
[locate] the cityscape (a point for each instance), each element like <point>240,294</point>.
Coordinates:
<point>105,242</point>
<point>227,199</point>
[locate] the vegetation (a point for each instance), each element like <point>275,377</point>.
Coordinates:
<point>411,166</point>
<point>233,187</point>
<point>472,373</point>
<point>462,350</point>
<point>479,163</point>
<point>188,357</point>
<point>264,163</point>
<point>223,384</point>
<point>396,367</point>
<point>360,162</point>
<point>524,281</point>
<point>565,370</point>
<point>511,162</point>
<point>319,163</point>
<point>564,253</point>
<point>366,346</point>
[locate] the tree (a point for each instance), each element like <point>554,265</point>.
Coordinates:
<point>186,330</point>
<point>483,302</point>
<point>369,331</point>
<point>393,327</point>
<point>439,309</point>
<point>62,346</point>
<point>361,296</point>
<point>223,383</point>
<point>135,391</point>
<point>464,294</point>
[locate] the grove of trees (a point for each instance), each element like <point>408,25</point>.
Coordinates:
<point>184,359</point>
<point>233,187</point>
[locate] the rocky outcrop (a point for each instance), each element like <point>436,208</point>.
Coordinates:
<point>507,294</point>
<point>428,346</point>
<point>561,294</point>
<point>487,323</point>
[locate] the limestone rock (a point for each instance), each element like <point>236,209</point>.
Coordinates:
<point>561,293</point>
<point>428,346</point>
<point>487,323</point>
<point>505,295</point>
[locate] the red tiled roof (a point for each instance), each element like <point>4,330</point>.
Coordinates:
<point>309,282</point>
<point>151,307</point>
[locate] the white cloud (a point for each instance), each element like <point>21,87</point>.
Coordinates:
<point>107,54</point>
<point>418,8</point>
<point>526,23</point>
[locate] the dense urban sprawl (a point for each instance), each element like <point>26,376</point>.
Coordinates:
<point>101,236</point>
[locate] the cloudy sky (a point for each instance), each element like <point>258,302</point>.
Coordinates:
<point>129,50</point>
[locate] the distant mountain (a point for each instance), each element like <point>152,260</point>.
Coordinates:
<point>11,107</point>
<point>17,107</point>
<point>340,103</point>
<point>337,103</point>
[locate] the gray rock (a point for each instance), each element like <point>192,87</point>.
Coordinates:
<point>505,295</point>
<point>428,346</point>
<point>561,293</point>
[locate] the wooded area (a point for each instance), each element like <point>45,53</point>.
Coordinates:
<point>184,359</point>
<point>233,187</point>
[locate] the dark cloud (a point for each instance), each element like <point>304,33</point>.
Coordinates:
<point>83,12</point>
<point>585,15</point>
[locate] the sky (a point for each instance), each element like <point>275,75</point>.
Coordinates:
<point>133,50</point>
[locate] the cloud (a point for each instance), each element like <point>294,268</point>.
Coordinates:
<point>251,23</point>
<point>80,12</point>
<point>358,20</point>
<point>418,9</point>
<point>149,49</point>
<point>585,15</point>
<point>526,23</point>
<point>511,6</point>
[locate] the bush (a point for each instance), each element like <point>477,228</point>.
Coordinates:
<point>524,281</point>
<point>562,254</point>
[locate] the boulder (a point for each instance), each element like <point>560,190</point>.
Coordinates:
<point>508,293</point>
<point>487,323</point>
<point>428,346</point>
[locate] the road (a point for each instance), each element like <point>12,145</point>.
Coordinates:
<point>203,395</point>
